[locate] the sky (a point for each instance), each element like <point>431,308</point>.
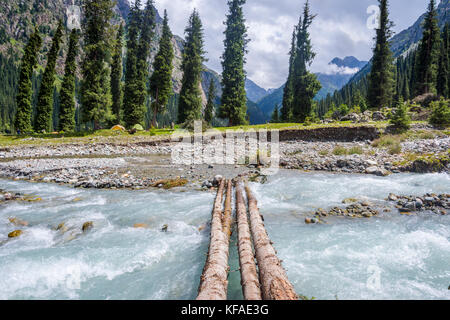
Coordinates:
<point>339,30</point>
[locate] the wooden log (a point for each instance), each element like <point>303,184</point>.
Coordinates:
<point>227,213</point>
<point>213,282</point>
<point>275,284</point>
<point>249,276</point>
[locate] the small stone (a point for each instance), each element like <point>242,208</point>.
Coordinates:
<point>62,227</point>
<point>349,200</point>
<point>140,226</point>
<point>87,226</point>
<point>18,222</point>
<point>165,228</point>
<point>392,197</point>
<point>15,234</point>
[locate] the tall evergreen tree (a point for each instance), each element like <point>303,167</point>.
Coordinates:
<point>116,75</point>
<point>161,79</point>
<point>275,115</point>
<point>131,91</point>
<point>443,82</point>
<point>305,84</point>
<point>381,77</point>
<point>234,98</point>
<point>288,91</point>
<point>428,53</point>
<point>67,94</point>
<point>210,105</point>
<point>190,104</point>
<point>22,122</point>
<point>44,106</point>
<point>95,89</point>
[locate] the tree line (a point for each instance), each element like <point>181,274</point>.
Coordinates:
<point>423,70</point>
<point>116,86</point>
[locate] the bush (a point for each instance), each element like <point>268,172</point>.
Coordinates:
<point>356,150</point>
<point>395,149</point>
<point>339,151</point>
<point>441,113</point>
<point>400,119</point>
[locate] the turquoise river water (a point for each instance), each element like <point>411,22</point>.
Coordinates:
<point>387,257</point>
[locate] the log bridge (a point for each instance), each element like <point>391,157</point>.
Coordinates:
<point>263,279</point>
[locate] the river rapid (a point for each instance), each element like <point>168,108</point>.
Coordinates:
<point>390,256</point>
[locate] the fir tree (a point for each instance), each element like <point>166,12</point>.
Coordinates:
<point>428,53</point>
<point>305,84</point>
<point>190,104</point>
<point>22,122</point>
<point>234,99</point>
<point>131,92</point>
<point>400,119</point>
<point>95,90</point>
<point>275,115</point>
<point>210,105</point>
<point>381,78</point>
<point>67,94</point>
<point>443,82</point>
<point>161,79</point>
<point>288,91</point>
<point>116,76</point>
<point>44,106</point>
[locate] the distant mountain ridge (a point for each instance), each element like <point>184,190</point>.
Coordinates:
<point>339,73</point>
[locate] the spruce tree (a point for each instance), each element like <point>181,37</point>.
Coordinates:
<point>288,91</point>
<point>210,105</point>
<point>234,98</point>
<point>275,115</point>
<point>443,82</point>
<point>116,75</point>
<point>305,84</point>
<point>95,90</point>
<point>67,94</point>
<point>131,92</point>
<point>44,106</point>
<point>190,104</point>
<point>381,77</point>
<point>22,122</point>
<point>161,79</point>
<point>428,53</point>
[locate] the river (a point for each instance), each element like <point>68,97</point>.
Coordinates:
<point>390,256</point>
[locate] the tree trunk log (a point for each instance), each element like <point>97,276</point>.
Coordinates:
<point>249,277</point>
<point>227,213</point>
<point>213,282</point>
<point>274,282</point>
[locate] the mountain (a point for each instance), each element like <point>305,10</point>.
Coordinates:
<point>254,92</point>
<point>338,73</point>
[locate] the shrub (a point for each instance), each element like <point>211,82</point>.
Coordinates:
<point>339,151</point>
<point>400,119</point>
<point>440,115</point>
<point>356,150</point>
<point>395,149</point>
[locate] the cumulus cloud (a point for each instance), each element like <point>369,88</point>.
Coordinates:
<point>339,30</point>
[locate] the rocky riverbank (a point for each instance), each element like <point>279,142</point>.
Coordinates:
<point>405,205</point>
<point>143,164</point>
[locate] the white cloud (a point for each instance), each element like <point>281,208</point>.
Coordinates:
<point>339,30</point>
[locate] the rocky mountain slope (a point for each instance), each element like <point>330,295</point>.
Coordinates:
<point>340,71</point>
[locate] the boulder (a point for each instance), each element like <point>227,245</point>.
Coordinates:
<point>378,116</point>
<point>377,171</point>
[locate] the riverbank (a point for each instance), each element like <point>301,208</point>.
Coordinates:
<point>145,161</point>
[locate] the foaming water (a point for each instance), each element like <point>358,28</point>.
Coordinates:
<point>388,257</point>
